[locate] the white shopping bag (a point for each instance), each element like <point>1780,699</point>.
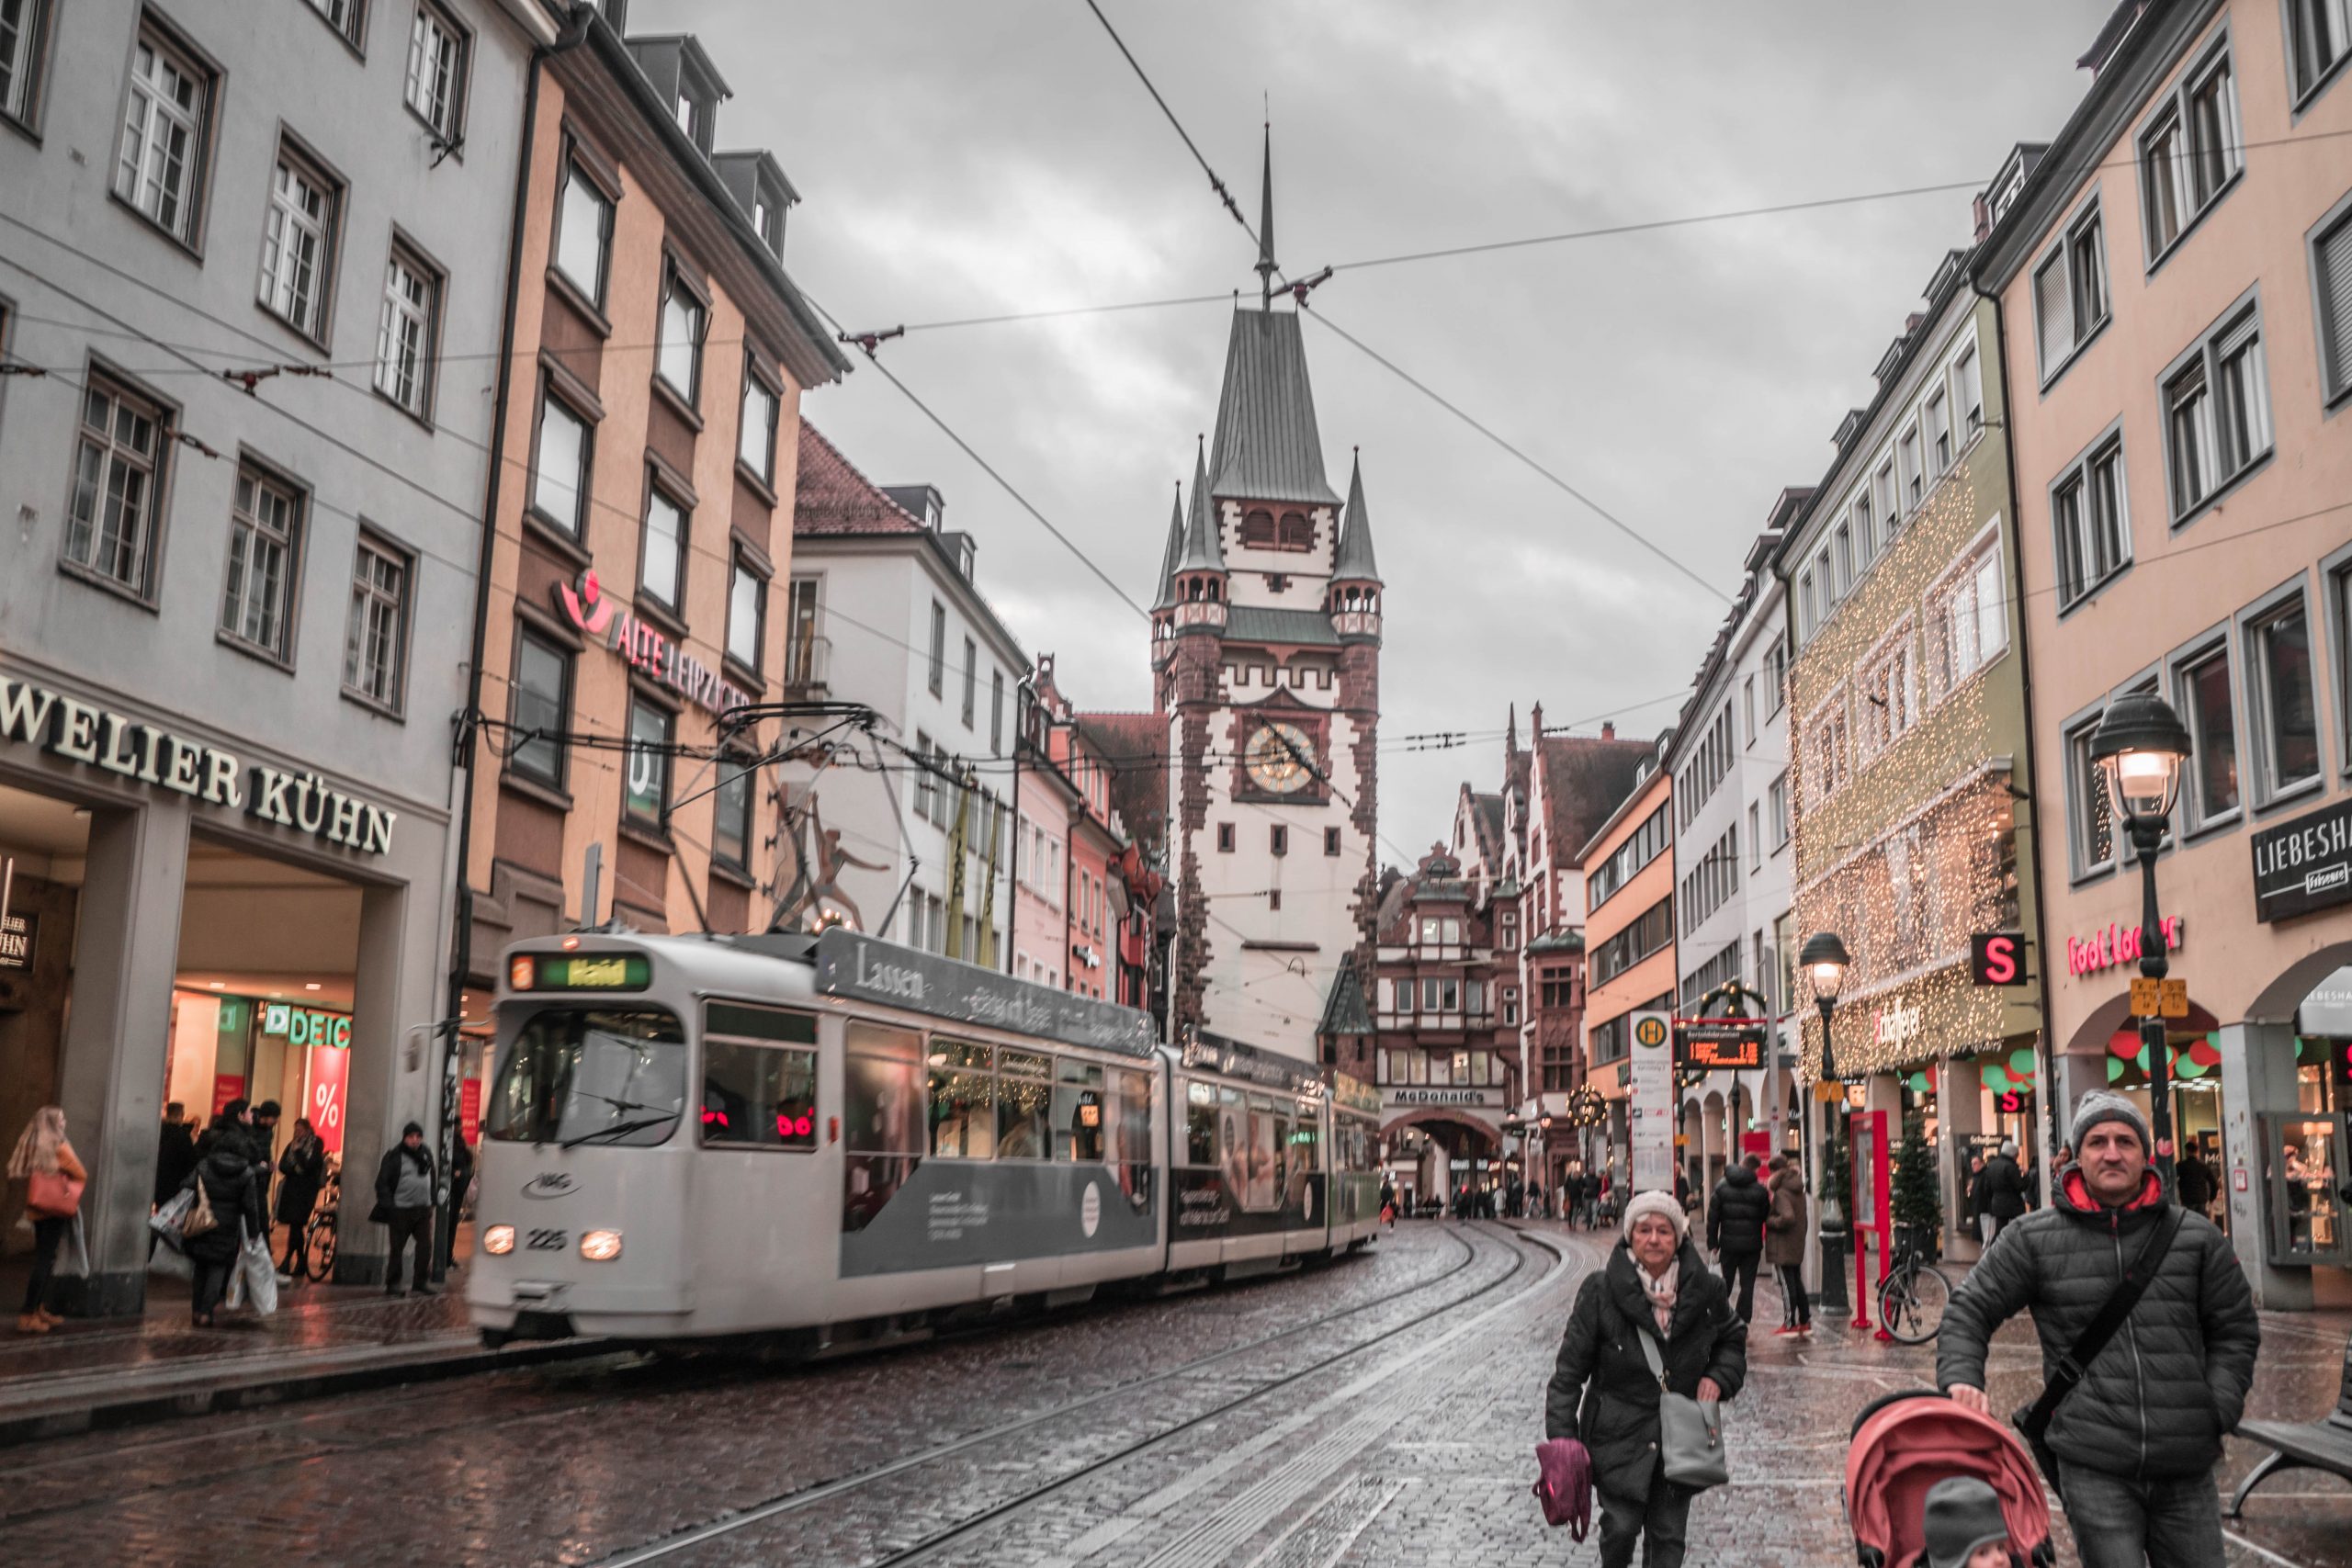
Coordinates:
<point>260,1275</point>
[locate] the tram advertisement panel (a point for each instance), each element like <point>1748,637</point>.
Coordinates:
<point>1247,1162</point>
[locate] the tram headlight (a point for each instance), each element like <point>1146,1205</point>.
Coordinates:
<point>498,1240</point>
<point>600,1246</point>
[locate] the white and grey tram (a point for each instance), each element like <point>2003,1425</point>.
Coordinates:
<point>686,1137</point>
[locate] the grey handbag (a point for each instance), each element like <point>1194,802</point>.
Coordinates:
<point>1691,1431</point>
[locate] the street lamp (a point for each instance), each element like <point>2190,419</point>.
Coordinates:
<point>2139,746</point>
<point>1825,962</point>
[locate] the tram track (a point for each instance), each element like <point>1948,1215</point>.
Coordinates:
<point>807,1497</point>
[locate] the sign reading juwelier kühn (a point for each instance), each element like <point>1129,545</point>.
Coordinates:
<point>2304,864</point>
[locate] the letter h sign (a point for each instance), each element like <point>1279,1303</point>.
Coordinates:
<point>1996,958</point>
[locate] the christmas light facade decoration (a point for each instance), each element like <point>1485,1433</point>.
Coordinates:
<point>1908,744</point>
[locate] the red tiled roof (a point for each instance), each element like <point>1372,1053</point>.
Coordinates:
<point>1585,780</point>
<point>833,497</point>
<point>1134,745</point>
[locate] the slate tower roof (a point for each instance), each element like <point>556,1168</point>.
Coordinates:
<point>1355,558</point>
<point>1167,599</point>
<point>1203,551</point>
<point>1267,445</point>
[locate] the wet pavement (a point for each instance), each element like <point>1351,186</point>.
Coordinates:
<point>1381,1410</point>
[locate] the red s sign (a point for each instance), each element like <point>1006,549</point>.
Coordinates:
<point>1996,958</point>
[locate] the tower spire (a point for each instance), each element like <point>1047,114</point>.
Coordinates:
<point>1265,268</point>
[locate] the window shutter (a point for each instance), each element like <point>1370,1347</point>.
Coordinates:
<point>2053,311</point>
<point>2334,271</point>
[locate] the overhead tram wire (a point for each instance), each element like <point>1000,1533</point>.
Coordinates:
<point>1224,193</point>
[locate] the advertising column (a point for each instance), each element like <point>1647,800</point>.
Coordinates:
<point>1650,1085</point>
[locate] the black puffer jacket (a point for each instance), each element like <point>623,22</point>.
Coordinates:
<point>1736,1219</point>
<point>1603,1393</point>
<point>228,1179</point>
<point>2172,1381</point>
<point>2000,1189</point>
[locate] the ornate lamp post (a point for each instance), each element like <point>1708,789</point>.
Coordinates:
<point>2139,746</point>
<point>1825,962</point>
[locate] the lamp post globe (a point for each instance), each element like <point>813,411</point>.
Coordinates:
<point>1826,964</point>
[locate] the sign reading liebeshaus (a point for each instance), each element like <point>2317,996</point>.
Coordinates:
<point>2304,864</point>
<point>97,738</point>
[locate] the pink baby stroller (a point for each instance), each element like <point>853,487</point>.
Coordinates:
<point>1903,1445</point>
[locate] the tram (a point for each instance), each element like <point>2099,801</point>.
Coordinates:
<point>691,1137</point>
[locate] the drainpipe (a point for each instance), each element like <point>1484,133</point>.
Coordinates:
<point>2051,1120</point>
<point>1021,690</point>
<point>575,33</point>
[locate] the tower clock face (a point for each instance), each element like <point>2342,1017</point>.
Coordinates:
<point>1277,758</point>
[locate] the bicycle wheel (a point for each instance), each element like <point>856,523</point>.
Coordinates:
<point>1911,1303</point>
<point>321,1249</point>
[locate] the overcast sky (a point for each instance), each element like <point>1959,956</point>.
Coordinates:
<point>967,159</point>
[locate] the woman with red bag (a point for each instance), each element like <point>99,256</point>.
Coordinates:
<point>44,1162</point>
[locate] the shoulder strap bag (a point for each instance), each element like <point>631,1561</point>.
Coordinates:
<point>1691,1431</point>
<point>2035,1420</point>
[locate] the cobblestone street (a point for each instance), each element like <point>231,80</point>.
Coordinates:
<point>1380,1410</point>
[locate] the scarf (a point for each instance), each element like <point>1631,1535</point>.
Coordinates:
<point>1661,1292</point>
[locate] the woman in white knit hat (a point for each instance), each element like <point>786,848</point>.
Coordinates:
<point>1603,1393</point>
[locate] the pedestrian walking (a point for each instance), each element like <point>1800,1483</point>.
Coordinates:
<point>230,1186</point>
<point>45,1163</point>
<point>175,1152</point>
<point>1999,1196</point>
<point>1784,1239</point>
<point>1655,1297</point>
<point>1389,1202</point>
<point>304,1166</point>
<point>2148,1339</point>
<point>404,1205</point>
<point>1736,1222</point>
<point>2193,1181</point>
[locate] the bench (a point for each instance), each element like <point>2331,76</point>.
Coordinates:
<point>2323,1445</point>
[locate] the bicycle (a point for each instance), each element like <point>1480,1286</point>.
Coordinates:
<point>1912,1298</point>
<point>319,1237</point>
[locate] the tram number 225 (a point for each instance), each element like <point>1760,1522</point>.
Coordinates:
<point>544,1240</point>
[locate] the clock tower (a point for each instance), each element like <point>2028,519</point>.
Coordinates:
<point>1266,667</point>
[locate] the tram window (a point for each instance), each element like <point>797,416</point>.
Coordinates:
<point>1259,1186</point>
<point>963,1100</point>
<point>1200,1123</point>
<point>1130,1146</point>
<point>1024,1100</point>
<point>1307,1137</point>
<point>882,1111</point>
<point>756,1096</point>
<point>1078,1110</point>
<point>613,1077</point>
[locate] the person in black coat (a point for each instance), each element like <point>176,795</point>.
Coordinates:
<point>2000,1187</point>
<point>1604,1393</point>
<point>230,1186</point>
<point>304,1166</point>
<point>1736,1230</point>
<point>404,1205</point>
<point>175,1153</point>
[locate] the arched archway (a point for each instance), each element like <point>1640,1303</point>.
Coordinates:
<point>1440,1137</point>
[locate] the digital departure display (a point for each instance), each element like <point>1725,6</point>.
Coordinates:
<point>579,972</point>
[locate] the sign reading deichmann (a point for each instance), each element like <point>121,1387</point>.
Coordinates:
<point>96,738</point>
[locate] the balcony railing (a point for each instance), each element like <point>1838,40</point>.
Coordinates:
<point>808,663</point>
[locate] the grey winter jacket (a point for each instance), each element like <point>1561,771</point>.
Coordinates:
<point>2174,1379</point>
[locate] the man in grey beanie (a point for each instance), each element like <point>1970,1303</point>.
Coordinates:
<point>2138,1438</point>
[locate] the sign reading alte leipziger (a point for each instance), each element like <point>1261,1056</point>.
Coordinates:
<point>98,739</point>
<point>646,647</point>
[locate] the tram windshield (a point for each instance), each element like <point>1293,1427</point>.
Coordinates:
<point>591,1075</point>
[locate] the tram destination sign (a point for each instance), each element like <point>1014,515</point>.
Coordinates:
<point>1213,1053</point>
<point>2304,864</point>
<point>851,963</point>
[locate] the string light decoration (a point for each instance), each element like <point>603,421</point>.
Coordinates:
<point>1587,1109</point>
<point>1916,845</point>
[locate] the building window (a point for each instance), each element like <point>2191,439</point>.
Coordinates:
<point>583,232</point>
<point>938,648</point>
<point>111,521</point>
<point>20,49</point>
<point>1278,839</point>
<point>1937,421</point>
<point>1330,840</point>
<point>349,18</point>
<point>1776,679</point>
<point>2091,824</point>
<point>747,604</point>
<point>1889,697</point>
<point>2281,700</point>
<point>662,573</point>
<point>801,639</point>
<point>1755,836</point>
<point>1826,754</point>
<point>298,244</point>
<point>2070,293</point>
<point>1224,838</point>
<point>265,528</point>
<point>1806,619</point>
<point>1776,800</point>
<point>560,488</point>
<point>646,794</point>
<point>927,789</point>
<point>1884,497</point>
<point>1914,484</point>
<point>996,713</point>
<point>2321,35</point>
<point>160,169</point>
<point>1510,1006</point>
<point>375,646</point>
<point>1968,624</point>
<point>679,359</point>
<point>755,441</point>
<point>2202,688</point>
<point>2217,413</point>
<point>971,681</point>
<point>2331,279</point>
<point>2188,151</point>
<point>2090,520</point>
<point>436,71</point>
<point>1968,387</point>
<point>538,707</point>
<point>407,333</point>
<point>730,822</point>
<point>1842,549</point>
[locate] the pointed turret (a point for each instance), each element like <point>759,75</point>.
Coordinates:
<point>1167,599</point>
<point>1265,267</point>
<point>1354,599</point>
<point>1199,575</point>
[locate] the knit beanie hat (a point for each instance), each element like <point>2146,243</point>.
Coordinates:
<point>1962,1514</point>
<point>2105,1107</point>
<point>1657,1203</point>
